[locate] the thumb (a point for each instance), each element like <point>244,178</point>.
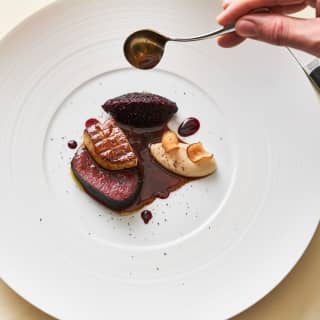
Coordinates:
<point>282,30</point>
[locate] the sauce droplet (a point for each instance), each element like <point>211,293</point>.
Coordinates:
<point>189,127</point>
<point>91,122</point>
<point>146,216</point>
<point>148,61</point>
<point>72,144</point>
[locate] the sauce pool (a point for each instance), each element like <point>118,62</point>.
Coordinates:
<point>157,182</point>
<point>146,216</point>
<point>91,122</point>
<point>72,144</point>
<point>189,127</point>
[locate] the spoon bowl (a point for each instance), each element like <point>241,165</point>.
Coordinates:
<point>144,49</point>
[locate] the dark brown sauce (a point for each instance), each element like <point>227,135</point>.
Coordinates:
<point>72,144</point>
<point>146,216</point>
<point>148,61</point>
<point>157,181</point>
<point>189,127</point>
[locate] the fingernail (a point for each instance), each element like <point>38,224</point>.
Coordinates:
<point>226,4</point>
<point>246,29</point>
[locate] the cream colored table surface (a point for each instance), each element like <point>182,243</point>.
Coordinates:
<point>296,298</point>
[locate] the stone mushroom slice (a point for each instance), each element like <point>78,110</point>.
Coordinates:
<point>170,141</point>
<point>196,153</point>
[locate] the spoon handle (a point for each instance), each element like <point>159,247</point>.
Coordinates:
<point>218,32</point>
<point>227,29</point>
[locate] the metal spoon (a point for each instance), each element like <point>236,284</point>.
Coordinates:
<point>144,48</point>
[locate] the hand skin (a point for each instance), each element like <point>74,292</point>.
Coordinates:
<point>274,27</point>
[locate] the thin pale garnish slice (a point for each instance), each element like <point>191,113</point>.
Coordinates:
<point>170,141</point>
<point>196,153</point>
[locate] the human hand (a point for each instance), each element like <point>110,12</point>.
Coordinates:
<point>274,27</point>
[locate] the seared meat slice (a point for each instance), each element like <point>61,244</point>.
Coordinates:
<point>115,189</point>
<point>109,146</point>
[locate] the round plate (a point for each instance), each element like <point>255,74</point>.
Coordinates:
<point>213,248</point>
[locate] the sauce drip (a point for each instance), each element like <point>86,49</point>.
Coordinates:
<point>72,144</point>
<point>91,122</point>
<point>146,216</point>
<point>157,182</point>
<point>189,127</point>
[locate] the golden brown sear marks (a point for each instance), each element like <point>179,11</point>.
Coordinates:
<point>109,146</point>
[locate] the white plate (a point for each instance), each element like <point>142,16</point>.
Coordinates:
<point>214,247</point>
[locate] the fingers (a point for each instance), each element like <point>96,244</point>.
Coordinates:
<point>312,3</point>
<point>281,9</point>
<point>237,8</point>
<point>225,4</point>
<point>281,30</point>
<point>229,40</point>
<point>289,9</point>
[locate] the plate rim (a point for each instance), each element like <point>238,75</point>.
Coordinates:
<point>20,291</point>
